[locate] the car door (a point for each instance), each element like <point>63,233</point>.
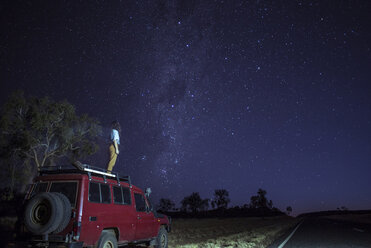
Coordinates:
<point>98,212</point>
<point>145,218</point>
<point>125,215</point>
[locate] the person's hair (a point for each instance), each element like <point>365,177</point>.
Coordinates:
<point>116,125</point>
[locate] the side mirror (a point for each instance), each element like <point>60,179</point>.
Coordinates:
<point>148,209</point>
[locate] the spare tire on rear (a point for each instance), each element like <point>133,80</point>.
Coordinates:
<point>66,212</point>
<point>43,213</point>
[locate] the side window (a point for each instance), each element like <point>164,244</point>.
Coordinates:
<point>121,195</point>
<point>69,189</point>
<point>140,203</point>
<point>105,193</point>
<point>39,187</point>
<point>99,192</point>
<point>127,195</point>
<point>94,192</point>
<point>117,195</point>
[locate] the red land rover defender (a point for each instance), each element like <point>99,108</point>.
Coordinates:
<point>87,207</point>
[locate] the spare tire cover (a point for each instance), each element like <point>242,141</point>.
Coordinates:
<point>43,213</point>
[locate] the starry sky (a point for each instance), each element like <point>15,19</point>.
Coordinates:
<point>226,94</point>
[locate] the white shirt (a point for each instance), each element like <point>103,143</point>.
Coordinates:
<point>115,136</point>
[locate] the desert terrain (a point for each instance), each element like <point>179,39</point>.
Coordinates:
<point>228,232</point>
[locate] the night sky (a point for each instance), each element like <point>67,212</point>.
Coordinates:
<point>227,94</point>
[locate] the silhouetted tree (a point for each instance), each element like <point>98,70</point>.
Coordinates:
<point>221,199</point>
<point>194,203</point>
<point>260,200</point>
<point>288,210</point>
<point>270,204</point>
<point>254,201</point>
<point>205,204</point>
<point>166,205</point>
<point>39,131</point>
<point>343,208</point>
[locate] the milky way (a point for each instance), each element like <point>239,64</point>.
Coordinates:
<point>238,95</point>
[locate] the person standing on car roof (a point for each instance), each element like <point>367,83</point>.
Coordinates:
<point>114,146</point>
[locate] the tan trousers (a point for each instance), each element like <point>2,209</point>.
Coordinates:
<point>112,159</point>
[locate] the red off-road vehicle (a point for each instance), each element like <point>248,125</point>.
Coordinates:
<point>87,207</point>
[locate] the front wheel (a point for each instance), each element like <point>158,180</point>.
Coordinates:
<point>107,240</point>
<point>162,240</point>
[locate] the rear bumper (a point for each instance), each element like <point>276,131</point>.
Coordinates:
<point>53,241</point>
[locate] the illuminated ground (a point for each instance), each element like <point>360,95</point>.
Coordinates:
<point>229,232</point>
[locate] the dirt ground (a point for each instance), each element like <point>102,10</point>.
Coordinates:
<point>228,232</point>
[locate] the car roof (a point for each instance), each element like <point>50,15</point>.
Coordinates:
<point>81,176</point>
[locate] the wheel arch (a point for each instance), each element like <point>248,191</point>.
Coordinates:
<point>164,225</point>
<point>114,230</point>
<point>167,227</point>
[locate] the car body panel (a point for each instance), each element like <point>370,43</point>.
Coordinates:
<point>93,218</point>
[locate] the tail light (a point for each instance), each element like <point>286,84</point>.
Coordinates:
<point>76,230</point>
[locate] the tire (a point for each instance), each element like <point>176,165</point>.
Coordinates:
<point>107,240</point>
<point>42,213</point>
<point>66,212</point>
<point>161,239</point>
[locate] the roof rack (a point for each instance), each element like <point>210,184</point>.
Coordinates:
<point>92,170</point>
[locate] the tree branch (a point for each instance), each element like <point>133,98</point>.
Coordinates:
<point>36,159</point>
<point>28,155</point>
<point>61,114</point>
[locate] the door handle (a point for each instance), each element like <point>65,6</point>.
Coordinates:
<point>92,218</point>
<point>138,217</point>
